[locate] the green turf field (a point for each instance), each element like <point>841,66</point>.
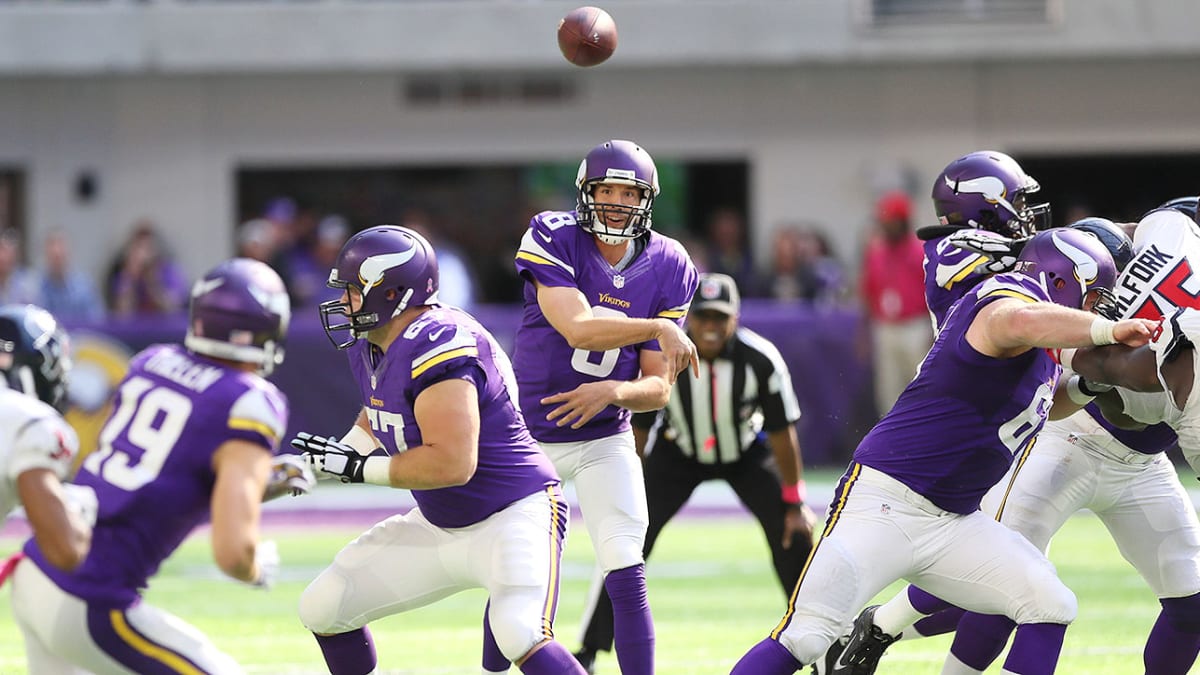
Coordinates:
<point>710,585</point>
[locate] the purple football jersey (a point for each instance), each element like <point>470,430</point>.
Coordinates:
<point>957,426</point>
<point>152,468</point>
<point>446,343</point>
<point>949,273</point>
<point>658,282</point>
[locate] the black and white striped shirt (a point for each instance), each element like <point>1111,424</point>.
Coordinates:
<point>716,417</point>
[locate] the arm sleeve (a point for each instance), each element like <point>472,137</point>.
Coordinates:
<point>545,253</point>
<point>43,443</point>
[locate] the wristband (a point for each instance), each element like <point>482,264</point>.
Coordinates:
<point>377,470</point>
<point>1102,331</point>
<point>794,494</point>
<point>1075,391</point>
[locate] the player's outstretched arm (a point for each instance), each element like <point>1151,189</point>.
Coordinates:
<point>242,469</point>
<point>1011,326</point>
<point>60,530</point>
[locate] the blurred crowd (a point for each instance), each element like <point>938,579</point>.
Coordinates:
<point>143,277</point>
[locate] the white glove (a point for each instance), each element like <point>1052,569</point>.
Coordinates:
<point>1000,250</point>
<point>266,561</point>
<point>81,500</point>
<point>290,474</point>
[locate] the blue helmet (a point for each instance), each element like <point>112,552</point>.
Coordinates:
<point>34,354</point>
<point>1070,264</point>
<point>392,267</point>
<point>623,163</point>
<point>1119,245</point>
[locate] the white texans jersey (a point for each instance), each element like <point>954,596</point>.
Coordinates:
<point>1164,275</point>
<point>32,436</point>
<point>1165,272</point>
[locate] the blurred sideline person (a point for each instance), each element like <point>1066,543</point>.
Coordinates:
<point>908,506</point>
<point>439,398</point>
<point>1085,461</point>
<point>190,439</point>
<point>601,338</point>
<point>37,447</point>
<point>712,429</point>
<point>891,289</point>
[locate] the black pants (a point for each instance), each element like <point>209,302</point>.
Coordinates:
<point>670,480</point>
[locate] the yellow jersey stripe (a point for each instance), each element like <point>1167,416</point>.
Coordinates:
<point>673,313</point>
<point>453,354</point>
<point>1011,293</point>
<point>1025,453</point>
<point>534,258</point>
<point>555,559</point>
<point>839,504</point>
<point>243,424</point>
<point>966,271</point>
<point>157,652</point>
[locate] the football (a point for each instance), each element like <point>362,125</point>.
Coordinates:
<point>587,36</point>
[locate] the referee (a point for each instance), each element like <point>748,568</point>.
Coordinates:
<point>712,428</point>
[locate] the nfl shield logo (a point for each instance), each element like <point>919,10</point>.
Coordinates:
<point>618,281</point>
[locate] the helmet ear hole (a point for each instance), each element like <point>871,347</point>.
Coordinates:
<point>1059,283</point>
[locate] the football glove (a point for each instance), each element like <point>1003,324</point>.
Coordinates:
<point>330,458</point>
<point>1001,251</point>
<point>266,561</point>
<point>81,500</point>
<point>290,474</point>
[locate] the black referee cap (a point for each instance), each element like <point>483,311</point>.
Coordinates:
<point>717,292</point>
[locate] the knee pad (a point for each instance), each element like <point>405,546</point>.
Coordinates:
<point>319,604</point>
<point>1051,602</point>
<point>619,551</point>
<point>515,628</point>
<point>1183,613</point>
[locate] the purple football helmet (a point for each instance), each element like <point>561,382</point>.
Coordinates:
<point>1071,264</point>
<point>990,191</point>
<point>623,163</point>
<point>34,354</point>
<point>240,311</point>
<point>1119,245</point>
<point>392,267</point>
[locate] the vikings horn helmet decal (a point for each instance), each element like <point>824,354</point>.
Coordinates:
<point>392,268</point>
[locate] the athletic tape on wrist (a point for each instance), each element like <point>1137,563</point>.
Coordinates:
<point>377,470</point>
<point>1102,331</point>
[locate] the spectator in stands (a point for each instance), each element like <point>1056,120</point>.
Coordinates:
<point>458,281</point>
<point>893,294</point>
<point>66,292</point>
<point>143,279</point>
<point>728,249</point>
<point>803,267</point>
<point>256,240</point>
<point>17,285</point>
<point>310,265</point>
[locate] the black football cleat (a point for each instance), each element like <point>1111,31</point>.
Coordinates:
<point>586,657</point>
<point>865,647</point>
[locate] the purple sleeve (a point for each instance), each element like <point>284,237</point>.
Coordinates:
<point>546,254</point>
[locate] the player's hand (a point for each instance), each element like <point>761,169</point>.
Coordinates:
<point>290,474</point>
<point>266,561</point>
<point>798,524</point>
<point>578,406</point>
<point>678,350</point>
<point>81,501</point>
<point>329,458</point>
<point>1134,332</point>
<point>1001,251</point>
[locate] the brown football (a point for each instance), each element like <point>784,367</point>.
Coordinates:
<point>587,36</point>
